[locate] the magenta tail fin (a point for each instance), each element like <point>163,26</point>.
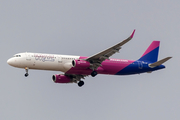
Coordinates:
<point>151,54</point>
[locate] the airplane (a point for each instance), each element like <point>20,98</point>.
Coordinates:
<point>76,68</point>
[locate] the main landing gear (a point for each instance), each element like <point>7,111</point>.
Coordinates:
<point>26,74</point>
<point>80,83</point>
<point>94,73</point>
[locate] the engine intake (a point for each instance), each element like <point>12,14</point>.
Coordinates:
<point>80,64</point>
<point>61,79</point>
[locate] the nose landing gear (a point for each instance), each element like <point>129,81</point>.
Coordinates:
<point>26,69</point>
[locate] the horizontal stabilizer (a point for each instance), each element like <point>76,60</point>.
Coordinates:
<point>160,62</point>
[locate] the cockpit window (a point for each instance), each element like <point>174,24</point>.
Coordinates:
<point>17,56</point>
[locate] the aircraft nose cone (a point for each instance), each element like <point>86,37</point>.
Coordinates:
<point>10,61</point>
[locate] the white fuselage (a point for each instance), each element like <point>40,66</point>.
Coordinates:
<point>42,61</point>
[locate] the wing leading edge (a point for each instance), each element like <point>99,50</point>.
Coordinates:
<point>98,58</point>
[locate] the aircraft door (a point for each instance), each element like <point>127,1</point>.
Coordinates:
<point>59,59</point>
<point>140,65</point>
<point>28,60</point>
<point>60,63</point>
<point>28,56</point>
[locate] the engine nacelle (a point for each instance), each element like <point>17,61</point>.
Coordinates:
<point>61,79</point>
<point>80,64</point>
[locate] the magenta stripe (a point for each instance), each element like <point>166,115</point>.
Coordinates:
<point>82,57</point>
<point>153,46</point>
<point>111,66</point>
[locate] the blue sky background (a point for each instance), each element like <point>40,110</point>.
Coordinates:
<point>84,28</point>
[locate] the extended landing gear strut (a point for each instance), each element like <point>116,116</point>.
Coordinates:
<point>94,73</point>
<point>80,83</point>
<point>26,74</point>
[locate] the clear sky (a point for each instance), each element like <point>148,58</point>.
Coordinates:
<point>85,27</point>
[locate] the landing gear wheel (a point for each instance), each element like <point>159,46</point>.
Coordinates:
<point>26,74</point>
<point>26,69</point>
<point>94,73</point>
<point>81,83</point>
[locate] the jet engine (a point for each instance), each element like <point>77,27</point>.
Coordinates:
<point>61,79</point>
<point>80,64</point>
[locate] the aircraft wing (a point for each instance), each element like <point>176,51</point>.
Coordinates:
<point>98,58</point>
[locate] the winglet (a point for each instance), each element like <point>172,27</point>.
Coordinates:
<point>132,33</point>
